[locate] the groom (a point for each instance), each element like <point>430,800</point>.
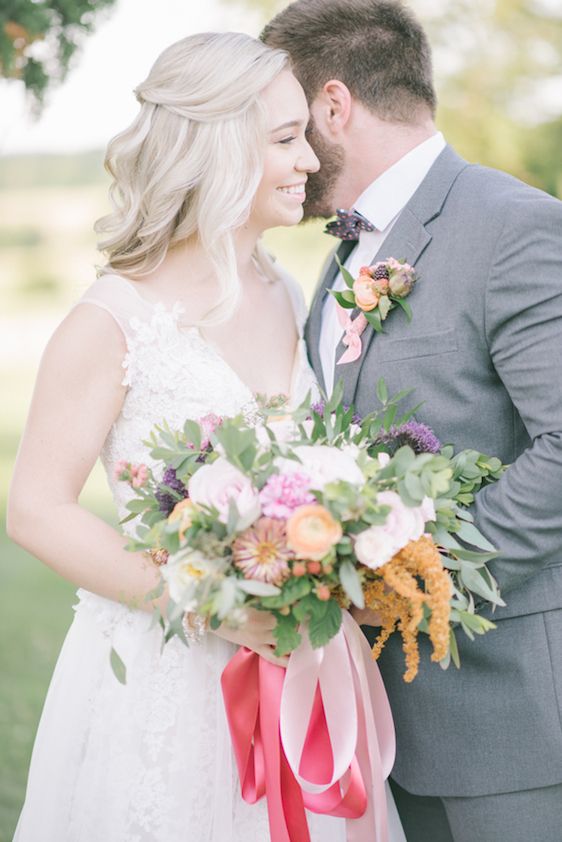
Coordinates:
<point>479,750</point>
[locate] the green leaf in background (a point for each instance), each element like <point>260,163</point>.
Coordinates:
<point>118,667</point>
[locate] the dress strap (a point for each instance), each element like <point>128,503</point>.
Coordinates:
<point>120,299</point>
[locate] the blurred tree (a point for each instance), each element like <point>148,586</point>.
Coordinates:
<point>496,63</point>
<point>39,37</point>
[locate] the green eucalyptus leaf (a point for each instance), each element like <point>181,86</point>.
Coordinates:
<point>351,583</point>
<point>471,535</point>
<point>382,391</point>
<point>118,666</point>
<point>384,306</point>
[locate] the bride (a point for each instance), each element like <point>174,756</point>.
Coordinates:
<point>188,317</point>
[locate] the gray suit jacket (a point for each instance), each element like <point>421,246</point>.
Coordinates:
<point>484,353</point>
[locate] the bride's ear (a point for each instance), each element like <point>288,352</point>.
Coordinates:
<point>333,107</point>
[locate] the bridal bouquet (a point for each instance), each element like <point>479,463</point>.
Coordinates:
<point>312,512</point>
<point>306,514</point>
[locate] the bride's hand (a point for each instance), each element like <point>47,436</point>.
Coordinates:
<point>256,634</point>
<point>366,616</point>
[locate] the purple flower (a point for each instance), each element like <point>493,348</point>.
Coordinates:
<point>419,437</point>
<point>167,501</point>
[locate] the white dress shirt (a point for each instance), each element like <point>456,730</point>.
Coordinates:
<point>381,203</point>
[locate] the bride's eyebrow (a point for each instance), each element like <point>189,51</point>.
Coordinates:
<point>291,124</point>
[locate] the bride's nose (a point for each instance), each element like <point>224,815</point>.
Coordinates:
<point>308,162</point>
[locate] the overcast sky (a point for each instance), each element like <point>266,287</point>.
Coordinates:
<point>97,101</point>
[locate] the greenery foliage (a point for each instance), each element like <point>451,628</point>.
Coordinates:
<point>38,39</point>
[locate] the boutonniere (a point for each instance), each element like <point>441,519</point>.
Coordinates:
<point>375,292</point>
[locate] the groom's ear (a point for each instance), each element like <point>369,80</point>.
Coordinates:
<point>332,107</point>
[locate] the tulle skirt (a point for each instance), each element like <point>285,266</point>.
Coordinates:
<point>145,761</point>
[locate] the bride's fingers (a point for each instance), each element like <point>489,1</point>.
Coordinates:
<point>267,653</point>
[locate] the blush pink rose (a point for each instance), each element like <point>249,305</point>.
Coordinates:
<point>219,483</point>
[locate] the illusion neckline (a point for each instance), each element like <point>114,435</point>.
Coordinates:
<point>176,308</point>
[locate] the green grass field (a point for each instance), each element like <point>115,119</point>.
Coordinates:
<point>47,255</point>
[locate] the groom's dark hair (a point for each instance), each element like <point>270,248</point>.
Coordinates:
<point>377,48</point>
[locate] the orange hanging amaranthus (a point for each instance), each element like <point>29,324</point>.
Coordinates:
<point>397,597</point>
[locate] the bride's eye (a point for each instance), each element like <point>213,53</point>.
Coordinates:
<point>288,139</point>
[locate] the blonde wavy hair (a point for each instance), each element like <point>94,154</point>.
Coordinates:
<point>191,162</point>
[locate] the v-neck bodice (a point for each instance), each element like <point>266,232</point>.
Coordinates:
<point>173,373</point>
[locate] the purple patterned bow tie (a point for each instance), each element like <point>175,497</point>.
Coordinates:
<point>348,225</point>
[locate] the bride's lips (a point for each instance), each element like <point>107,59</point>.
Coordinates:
<point>294,191</point>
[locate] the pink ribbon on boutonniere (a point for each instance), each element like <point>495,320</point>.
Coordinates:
<point>353,328</point>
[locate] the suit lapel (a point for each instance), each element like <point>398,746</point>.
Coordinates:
<point>407,240</point>
<point>313,325</point>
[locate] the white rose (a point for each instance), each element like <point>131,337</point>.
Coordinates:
<point>323,464</point>
<point>374,547</point>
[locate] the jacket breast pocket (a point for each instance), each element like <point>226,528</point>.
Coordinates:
<point>414,347</point>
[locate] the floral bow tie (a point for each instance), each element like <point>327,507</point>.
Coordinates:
<point>348,225</point>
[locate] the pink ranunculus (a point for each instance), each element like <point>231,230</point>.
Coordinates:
<point>365,296</point>
<point>219,483</point>
<point>283,493</point>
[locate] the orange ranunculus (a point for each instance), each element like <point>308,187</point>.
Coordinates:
<point>312,532</point>
<point>183,511</point>
<point>365,296</point>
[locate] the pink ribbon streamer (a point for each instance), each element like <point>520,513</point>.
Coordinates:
<point>319,735</point>
<point>353,328</point>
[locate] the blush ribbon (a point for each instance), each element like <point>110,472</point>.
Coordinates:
<point>318,735</point>
<point>353,328</point>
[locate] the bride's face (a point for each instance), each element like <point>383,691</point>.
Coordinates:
<point>288,156</point>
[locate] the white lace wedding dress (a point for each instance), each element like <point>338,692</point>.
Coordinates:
<point>149,761</point>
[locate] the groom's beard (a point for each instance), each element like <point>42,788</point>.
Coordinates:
<point>320,186</point>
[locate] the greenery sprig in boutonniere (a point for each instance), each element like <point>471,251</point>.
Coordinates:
<point>377,290</point>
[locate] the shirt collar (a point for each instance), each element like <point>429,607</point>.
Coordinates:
<point>385,197</point>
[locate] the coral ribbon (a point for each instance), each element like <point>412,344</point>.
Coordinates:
<point>353,328</point>
<point>317,735</point>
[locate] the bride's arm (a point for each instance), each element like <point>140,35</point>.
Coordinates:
<point>77,397</point>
